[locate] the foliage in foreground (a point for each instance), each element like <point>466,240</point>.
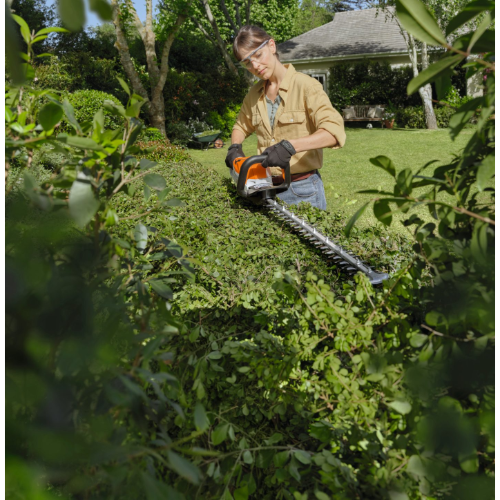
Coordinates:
<point>189,349</point>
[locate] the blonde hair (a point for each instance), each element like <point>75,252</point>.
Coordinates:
<point>249,38</point>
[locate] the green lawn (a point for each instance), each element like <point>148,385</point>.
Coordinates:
<point>348,170</point>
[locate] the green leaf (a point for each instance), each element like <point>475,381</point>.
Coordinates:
<point>38,39</point>
<point>478,32</point>
<point>433,72</point>
<point>13,48</point>
<point>162,194</point>
<point>219,434</point>
<point>155,181</point>
<point>214,355</point>
<point>302,456</point>
<point>98,121</point>
<point>70,115</point>
<point>469,462</point>
<point>403,182</point>
<point>102,8</point>
<point>354,218</point>
<point>174,202</point>
<point>25,31</point>
<point>147,193</point>
<point>443,85</point>
<point>50,115</point>
<point>184,467</point>
<point>45,31</point>
<point>134,109</point>
<point>72,13</point>
<point>402,407</point>
<point>141,236</point>
<point>122,82</point>
<point>415,466</point>
<point>384,163</point>
<point>463,114</point>
<point>321,496</point>
<point>79,142</point>
<point>82,202</point>
<point>275,438</point>
<point>470,11</point>
<point>162,289</point>
<point>485,172</point>
<point>281,458</point>
<point>248,457</point>
<point>113,108</point>
<point>382,212</point>
<point>156,490</point>
<point>200,417</point>
<point>417,20</point>
<point>418,340</point>
<point>146,164</point>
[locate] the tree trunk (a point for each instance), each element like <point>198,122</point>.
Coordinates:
<point>218,38</point>
<point>425,91</point>
<point>155,105</point>
<point>426,94</point>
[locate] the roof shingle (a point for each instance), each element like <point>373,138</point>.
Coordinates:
<point>350,33</point>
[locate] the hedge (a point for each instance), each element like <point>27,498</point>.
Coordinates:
<point>369,82</point>
<point>86,103</point>
<point>413,117</point>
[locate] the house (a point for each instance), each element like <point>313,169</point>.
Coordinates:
<point>351,36</point>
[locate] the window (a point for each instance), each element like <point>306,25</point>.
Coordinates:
<point>321,77</point>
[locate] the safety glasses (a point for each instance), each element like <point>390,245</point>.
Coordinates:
<point>249,59</point>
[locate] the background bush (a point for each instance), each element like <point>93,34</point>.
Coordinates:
<point>86,103</point>
<point>413,117</point>
<point>80,71</point>
<point>372,82</point>
<point>198,95</point>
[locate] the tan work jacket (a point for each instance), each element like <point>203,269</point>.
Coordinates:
<point>304,109</point>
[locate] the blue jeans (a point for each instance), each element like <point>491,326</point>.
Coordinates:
<point>310,190</point>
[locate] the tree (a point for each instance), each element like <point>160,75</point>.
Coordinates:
<point>124,14</point>
<point>37,15</point>
<point>220,23</point>
<point>314,13</point>
<point>443,10</point>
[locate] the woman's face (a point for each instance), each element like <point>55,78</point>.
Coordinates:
<point>262,62</point>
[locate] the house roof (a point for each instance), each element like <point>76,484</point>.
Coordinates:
<point>350,33</point>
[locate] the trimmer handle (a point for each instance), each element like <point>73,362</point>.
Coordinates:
<point>253,160</point>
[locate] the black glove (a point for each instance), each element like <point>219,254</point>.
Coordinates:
<point>234,151</point>
<point>278,155</point>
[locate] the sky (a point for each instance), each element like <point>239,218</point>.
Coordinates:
<point>93,19</point>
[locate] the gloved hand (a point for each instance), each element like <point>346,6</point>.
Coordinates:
<point>234,151</point>
<point>278,155</point>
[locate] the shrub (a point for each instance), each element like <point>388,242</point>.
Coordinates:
<point>411,117</point>
<point>79,71</point>
<point>225,121</point>
<point>55,74</point>
<point>86,103</point>
<point>181,133</point>
<point>160,150</point>
<point>195,95</point>
<point>414,117</point>
<point>370,82</point>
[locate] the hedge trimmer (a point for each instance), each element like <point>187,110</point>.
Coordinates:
<point>253,181</point>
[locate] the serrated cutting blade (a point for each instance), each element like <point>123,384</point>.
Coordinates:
<point>341,257</point>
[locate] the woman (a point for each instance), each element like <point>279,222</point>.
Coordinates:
<point>291,115</point>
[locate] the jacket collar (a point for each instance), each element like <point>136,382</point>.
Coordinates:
<point>286,82</point>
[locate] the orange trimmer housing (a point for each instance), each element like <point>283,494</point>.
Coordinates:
<point>253,179</point>
<point>256,171</point>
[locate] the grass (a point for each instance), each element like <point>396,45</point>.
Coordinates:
<point>348,170</point>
